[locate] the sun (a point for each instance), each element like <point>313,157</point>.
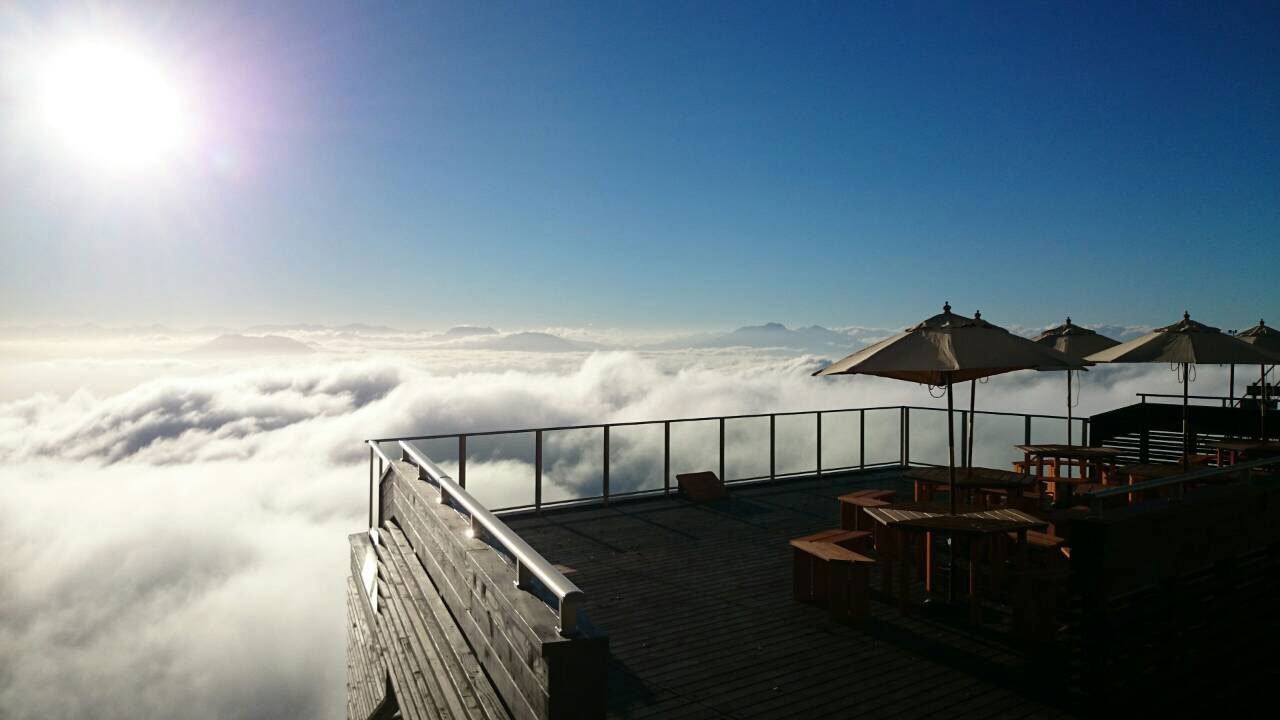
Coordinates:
<point>111,105</point>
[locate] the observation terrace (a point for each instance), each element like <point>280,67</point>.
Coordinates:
<point>558,572</point>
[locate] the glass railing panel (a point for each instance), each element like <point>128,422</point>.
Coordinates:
<point>572,464</point>
<point>746,448</point>
<point>795,444</point>
<point>695,447</point>
<point>635,458</point>
<point>840,440</point>
<point>883,435</point>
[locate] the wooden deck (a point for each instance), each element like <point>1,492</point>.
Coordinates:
<point>696,600</point>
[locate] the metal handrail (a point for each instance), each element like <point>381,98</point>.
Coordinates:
<point>1192,476</point>
<point>629,423</point>
<point>528,561</point>
<point>1223,398</point>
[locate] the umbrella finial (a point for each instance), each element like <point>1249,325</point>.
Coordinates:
<point>977,314</point>
<point>1262,323</point>
<point>1186,315</point>
<point>946,307</point>
<point>1068,319</point>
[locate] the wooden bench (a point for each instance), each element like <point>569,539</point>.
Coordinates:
<point>851,505</point>
<point>827,572</point>
<point>701,486</point>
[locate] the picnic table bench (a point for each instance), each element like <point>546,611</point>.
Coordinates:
<point>829,570</point>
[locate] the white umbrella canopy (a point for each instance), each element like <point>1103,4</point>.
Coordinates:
<point>947,349</point>
<point>1184,343</point>
<point>1266,338</point>
<point>1077,342</point>
<point>1263,336</point>
<point>1071,339</point>
<point>950,348</point>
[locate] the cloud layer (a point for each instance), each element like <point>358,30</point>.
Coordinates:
<point>175,543</point>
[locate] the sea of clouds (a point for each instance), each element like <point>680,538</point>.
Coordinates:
<point>173,525</point>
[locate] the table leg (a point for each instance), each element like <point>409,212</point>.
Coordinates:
<point>928,562</point>
<point>1040,477</point>
<point>838,595</point>
<point>802,575</point>
<point>975,607</point>
<point>904,579</point>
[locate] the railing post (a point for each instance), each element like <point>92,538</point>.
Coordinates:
<point>372,499</point>
<point>905,430</point>
<point>722,477</point>
<point>964,438</point>
<point>1026,429</point>
<point>819,416</point>
<point>462,460</point>
<point>666,457</point>
<point>862,439</point>
<point>773,473</point>
<point>606,465</point>
<point>537,473</point>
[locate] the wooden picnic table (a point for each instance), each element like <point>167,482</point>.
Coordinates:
<point>979,525</point>
<point>1230,451</point>
<point>926,479</point>
<point>1101,459</point>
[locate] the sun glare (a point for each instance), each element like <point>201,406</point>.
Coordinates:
<point>112,106</point>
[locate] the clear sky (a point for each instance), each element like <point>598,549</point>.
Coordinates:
<point>654,165</point>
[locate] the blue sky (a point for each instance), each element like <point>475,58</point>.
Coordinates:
<point>683,165</point>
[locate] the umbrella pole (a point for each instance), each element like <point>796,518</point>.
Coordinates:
<point>1186,434</point>
<point>1262,404</point>
<point>1231,393</point>
<point>951,449</point>
<point>951,487</point>
<point>1069,469</point>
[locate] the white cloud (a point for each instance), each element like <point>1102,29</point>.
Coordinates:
<point>178,540</point>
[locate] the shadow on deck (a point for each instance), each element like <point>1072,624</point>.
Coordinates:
<point>696,601</point>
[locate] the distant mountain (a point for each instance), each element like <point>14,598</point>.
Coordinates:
<point>362,328</point>
<point>302,327</point>
<point>525,342</point>
<point>239,345</point>
<point>814,339</point>
<point>464,331</point>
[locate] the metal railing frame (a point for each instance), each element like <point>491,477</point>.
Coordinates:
<point>1180,479</point>
<point>530,564</point>
<point>1224,400</point>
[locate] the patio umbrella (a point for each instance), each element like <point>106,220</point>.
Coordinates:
<point>1077,342</point>
<point>947,349</point>
<point>1184,343</point>
<point>1268,339</point>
